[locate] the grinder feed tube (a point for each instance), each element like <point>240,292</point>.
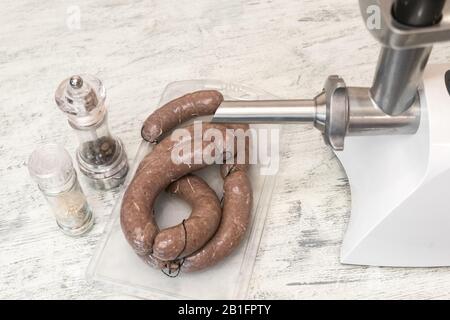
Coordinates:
<point>399,71</point>
<point>418,13</point>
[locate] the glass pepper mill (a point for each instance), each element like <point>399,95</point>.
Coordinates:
<point>100,156</point>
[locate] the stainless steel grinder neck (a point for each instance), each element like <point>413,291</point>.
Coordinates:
<point>401,65</point>
<point>406,30</point>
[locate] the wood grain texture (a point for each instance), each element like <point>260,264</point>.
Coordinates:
<point>287,47</point>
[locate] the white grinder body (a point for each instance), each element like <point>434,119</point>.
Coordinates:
<point>400,188</point>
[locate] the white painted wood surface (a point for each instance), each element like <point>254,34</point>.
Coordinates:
<point>137,47</point>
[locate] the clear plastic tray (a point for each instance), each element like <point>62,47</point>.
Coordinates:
<point>115,265</point>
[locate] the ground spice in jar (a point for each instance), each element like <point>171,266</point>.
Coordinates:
<point>50,165</point>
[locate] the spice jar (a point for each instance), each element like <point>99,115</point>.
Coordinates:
<point>51,167</point>
<point>100,156</point>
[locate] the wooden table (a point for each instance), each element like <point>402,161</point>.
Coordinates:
<point>137,47</point>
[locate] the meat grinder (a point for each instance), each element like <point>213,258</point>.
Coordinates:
<point>392,138</point>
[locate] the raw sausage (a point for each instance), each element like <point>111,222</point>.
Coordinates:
<point>235,220</point>
<point>177,111</point>
<point>207,236</point>
<point>192,234</point>
<point>154,174</point>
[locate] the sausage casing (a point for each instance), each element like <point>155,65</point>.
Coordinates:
<point>190,235</point>
<point>154,174</point>
<point>177,111</point>
<point>189,246</point>
<point>235,220</point>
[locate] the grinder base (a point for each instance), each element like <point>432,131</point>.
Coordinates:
<point>400,188</point>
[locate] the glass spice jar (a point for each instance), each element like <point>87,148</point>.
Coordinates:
<point>101,157</point>
<point>51,168</point>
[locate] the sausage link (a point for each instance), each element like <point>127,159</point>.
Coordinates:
<point>177,111</point>
<point>165,249</point>
<point>189,236</point>
<point>235,220</point>
<point>154,174</point>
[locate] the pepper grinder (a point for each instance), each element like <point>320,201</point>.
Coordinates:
<point>101,157</point>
